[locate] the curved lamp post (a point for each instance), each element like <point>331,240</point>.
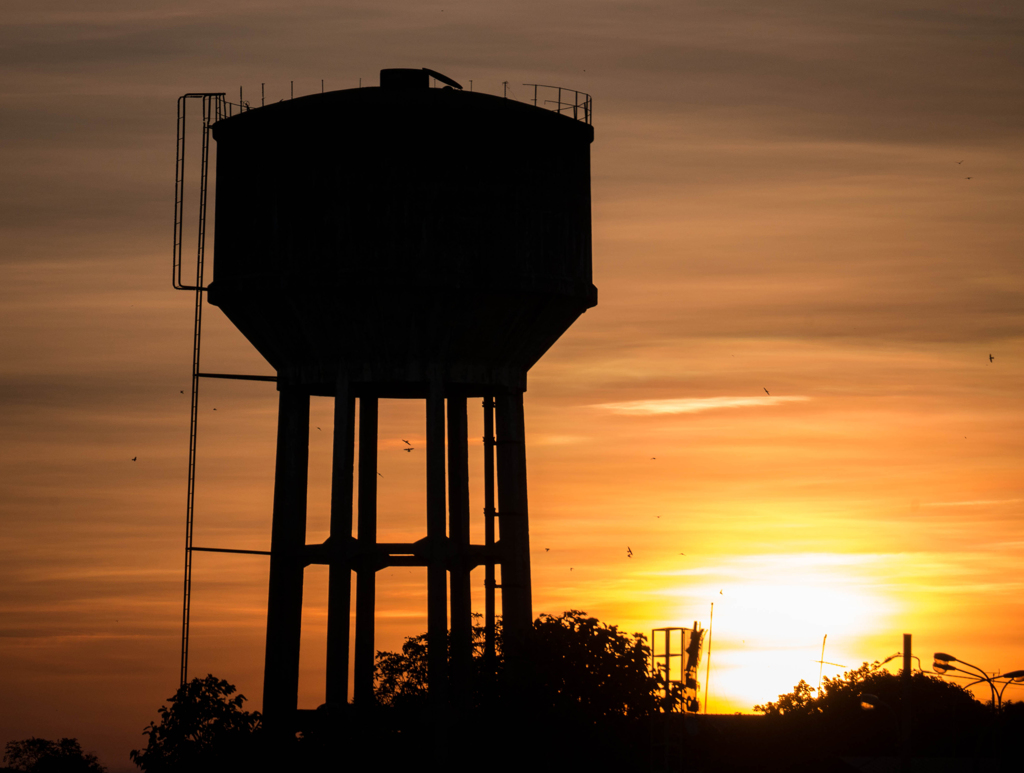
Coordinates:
<point>997,683</point>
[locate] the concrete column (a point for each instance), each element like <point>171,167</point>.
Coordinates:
<point>340,582</point>
<point>461,651</point>
<point>366,569</point>
<point>489,519</point>
<point>437,591</point>
<point>287,545</point>
<point>513,521</point>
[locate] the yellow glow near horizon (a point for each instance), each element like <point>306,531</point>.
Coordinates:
<point>771,612</point>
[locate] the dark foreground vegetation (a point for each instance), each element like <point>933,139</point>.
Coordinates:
<point>39,755</point>
<point>584,699</point>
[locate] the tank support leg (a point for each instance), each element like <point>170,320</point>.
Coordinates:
<point>339,591</point>
<point>458,533</point>
<point>366,566</point>
<point>437,591</point>
<point>513,522</point>
<point>489,519</point>
<point>287,545</point>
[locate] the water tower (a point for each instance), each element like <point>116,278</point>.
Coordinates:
<point>408,241</point>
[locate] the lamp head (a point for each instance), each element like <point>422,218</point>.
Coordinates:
<point>944,656</point>
<point>942,667</point>
<point>868,702</point>
<point>1014,675</point>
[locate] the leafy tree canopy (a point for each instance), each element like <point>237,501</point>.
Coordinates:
<point>203,728</point>
<point>38,755</point>
<point>575,665</point>
<point>842,693</point>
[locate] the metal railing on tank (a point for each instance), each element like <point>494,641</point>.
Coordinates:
<point>566,101</point>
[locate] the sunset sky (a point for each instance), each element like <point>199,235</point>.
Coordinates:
<point>820,200</point>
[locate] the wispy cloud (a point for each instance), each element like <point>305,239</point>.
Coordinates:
<point>693,404</point>
<point>971,502</point>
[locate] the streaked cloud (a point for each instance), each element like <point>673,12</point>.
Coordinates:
<point>693,404</point>
<point>972,503</point>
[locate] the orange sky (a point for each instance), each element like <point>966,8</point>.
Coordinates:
<point>777,204</point>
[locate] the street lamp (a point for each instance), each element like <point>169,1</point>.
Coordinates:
<point>944,663</point>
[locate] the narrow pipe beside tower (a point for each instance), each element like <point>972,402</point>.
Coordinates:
<point>402,242</point>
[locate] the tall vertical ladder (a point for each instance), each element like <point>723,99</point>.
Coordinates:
<point>213,109</point>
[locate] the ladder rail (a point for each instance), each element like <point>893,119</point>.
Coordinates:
<point>212,110</point>
<point>179,194</point>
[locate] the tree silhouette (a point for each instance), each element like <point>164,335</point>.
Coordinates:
<point>834,721</point>
<point>573,665</point>
<point>400,678</point>
<point>38,755</point>
<point>204,728</point>
<point>842,693</point>
<point>579,666</point>
<point>578,679</point>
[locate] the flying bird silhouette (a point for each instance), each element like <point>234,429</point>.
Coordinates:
<point>547,550</point>
<point>380,475</point>
<point>959,162</point>
<point>408,449</point>
<point>134,458</point>
<point>629,553</point>
<point>967,178</point>
<point>990,358</point>
<point>406,442</point>
<point>766,391</point>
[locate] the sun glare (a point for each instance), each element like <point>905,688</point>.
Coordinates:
<point>771,613</point>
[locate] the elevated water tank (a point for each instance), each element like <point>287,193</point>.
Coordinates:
<point>403,234</point>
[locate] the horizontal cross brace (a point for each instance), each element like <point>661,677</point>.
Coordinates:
<point>238,377</point>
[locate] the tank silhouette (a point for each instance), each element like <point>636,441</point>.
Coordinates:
<point>398,234</point>
<point>405,242</point>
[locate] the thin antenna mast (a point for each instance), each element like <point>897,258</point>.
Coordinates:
<point>821,663</point>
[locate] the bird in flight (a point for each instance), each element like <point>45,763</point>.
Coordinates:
<point>409,449</point>
<point>380,475</point>
<point>719,593</point>
<point>182,391</point>
<point>653,458</point>
<point>547,550</point>
<point>629,553</point>
<point>134,458</point>
<point>406,442</point>
<point>967,178</point>
<point>766,391</point>
<point>682,554</point>
<point>959,162</point>
<point>990,358</point>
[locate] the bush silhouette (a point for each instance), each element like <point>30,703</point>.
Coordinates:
<point>574,665</point>
<point>835,720</point>
<point>37,755</point>
<point>204,728</point>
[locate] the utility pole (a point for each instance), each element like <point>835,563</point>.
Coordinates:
<point>906,760</point>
